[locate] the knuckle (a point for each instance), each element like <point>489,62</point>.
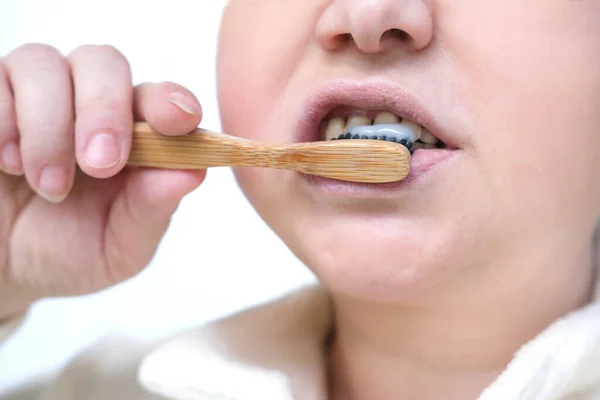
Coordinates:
<point>105,111</point>
<point>103,106</point>
<point>98,51</point>
<point>42,55</point>
<point>110,51</point>
<point>35,49</point>
<point>44,141</point>
<point>101,98</point>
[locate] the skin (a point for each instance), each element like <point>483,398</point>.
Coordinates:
<point>46,248</point>
<point>415,276</point>
<point>434,287</point>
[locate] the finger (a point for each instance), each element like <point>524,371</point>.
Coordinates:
<point>103,109</point>
<point>41,84</point>
<point>10,153</point>
<point>140,216</point>
<point>167,107</point>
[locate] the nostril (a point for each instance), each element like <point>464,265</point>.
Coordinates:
<point>396,33</point>
<point>389,36</point>
<point>400,34</point>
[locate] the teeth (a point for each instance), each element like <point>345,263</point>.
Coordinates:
<point>386,118</point>
<point>386,126</point>
<point>428,137</point>
<point>335,127</point>
<point>357,120</point>
<point>414,127</point>
<point>404,130</point>
<point>425,146</point>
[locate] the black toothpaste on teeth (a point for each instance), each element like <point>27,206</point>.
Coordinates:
<point>405,142</point>
<point>402,133</point>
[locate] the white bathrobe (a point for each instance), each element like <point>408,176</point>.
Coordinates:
<point>274,352</point>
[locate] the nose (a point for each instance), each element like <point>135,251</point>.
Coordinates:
<point>375,26</point>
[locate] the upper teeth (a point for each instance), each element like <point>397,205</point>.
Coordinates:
<point>334,127</point>
<point>357,120</point>
<point>386,118</point>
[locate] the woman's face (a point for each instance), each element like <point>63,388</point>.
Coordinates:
<point>511,87</point>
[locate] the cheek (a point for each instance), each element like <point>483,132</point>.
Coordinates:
<point>535,98</point>
<point>242,90</point>
<point>260,47</point>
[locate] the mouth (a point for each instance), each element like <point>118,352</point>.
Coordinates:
<point>347,123</point>
<point>344,110</point>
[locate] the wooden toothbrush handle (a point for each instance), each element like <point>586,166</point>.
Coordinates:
<point>369,161</point>
<point>197,150</point>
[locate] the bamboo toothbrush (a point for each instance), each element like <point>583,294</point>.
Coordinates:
<point>364,161</point>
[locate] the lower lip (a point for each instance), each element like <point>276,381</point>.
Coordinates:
<point>423,163</point>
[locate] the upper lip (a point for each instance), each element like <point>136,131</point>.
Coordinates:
<point>379,96</point>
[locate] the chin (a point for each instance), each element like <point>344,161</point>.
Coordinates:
<point>367,250</point>
<point>362,264</point>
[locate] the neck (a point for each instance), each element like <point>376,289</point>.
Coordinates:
<point>453,343</point>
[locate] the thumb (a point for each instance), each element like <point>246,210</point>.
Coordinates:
<point>140,215</point>
<point>167,107</point>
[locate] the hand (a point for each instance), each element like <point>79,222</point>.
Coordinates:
<point>73,218</point>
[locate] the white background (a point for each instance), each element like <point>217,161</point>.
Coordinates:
<point>216,258</point>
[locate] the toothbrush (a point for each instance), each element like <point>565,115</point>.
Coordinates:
<point>362,161</point>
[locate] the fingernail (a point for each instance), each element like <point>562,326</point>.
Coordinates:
<point>183,102</point>
<point>53,183</point>
<point>103,151</point>
<point>11,159</point>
